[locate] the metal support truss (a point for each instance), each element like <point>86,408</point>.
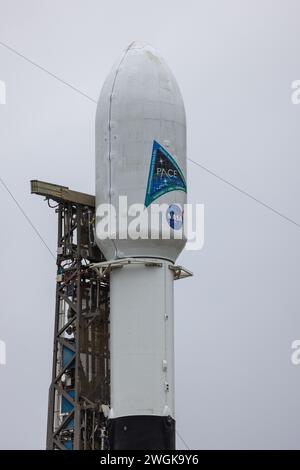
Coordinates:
<point>79,394</point>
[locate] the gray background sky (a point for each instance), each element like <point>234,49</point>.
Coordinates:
<point>236,318</point>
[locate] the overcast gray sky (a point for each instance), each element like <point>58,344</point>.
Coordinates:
<point>237,317</point>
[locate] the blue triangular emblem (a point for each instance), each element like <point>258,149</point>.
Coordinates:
<point>164,175</point>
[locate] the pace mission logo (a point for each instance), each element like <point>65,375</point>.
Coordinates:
<point>164,175</point>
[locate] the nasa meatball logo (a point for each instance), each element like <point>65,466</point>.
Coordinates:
<point>175,216</point>
<point>164,175</point>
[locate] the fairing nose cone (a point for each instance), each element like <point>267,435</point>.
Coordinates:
<point>141,151</point>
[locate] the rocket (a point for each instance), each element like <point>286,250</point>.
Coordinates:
<point>140,196</point>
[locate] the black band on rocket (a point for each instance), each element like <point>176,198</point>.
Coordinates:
<point>142,433</point>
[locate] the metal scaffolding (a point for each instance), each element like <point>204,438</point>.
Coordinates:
<point>79,394</point>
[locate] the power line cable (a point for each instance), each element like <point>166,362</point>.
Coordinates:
<point>245,193</point>
<point>48,72</point>
<point>181,438</point>
<point>27,218</point>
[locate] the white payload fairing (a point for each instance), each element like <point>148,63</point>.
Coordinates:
<point>140,197</point>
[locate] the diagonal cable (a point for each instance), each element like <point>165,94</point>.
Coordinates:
<point>245,193</point>
<point>181,438</point>
<point>47,72</point>
<point>27,218</point>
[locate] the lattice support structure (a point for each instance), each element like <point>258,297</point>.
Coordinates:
<point>79,394</point>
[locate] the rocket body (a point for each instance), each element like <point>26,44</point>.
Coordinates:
<point>141,155</point>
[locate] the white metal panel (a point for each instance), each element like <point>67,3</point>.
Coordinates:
<point>141,340</point>
<point>140,102</point>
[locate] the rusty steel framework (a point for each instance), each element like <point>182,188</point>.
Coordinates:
<point>79,394</point>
